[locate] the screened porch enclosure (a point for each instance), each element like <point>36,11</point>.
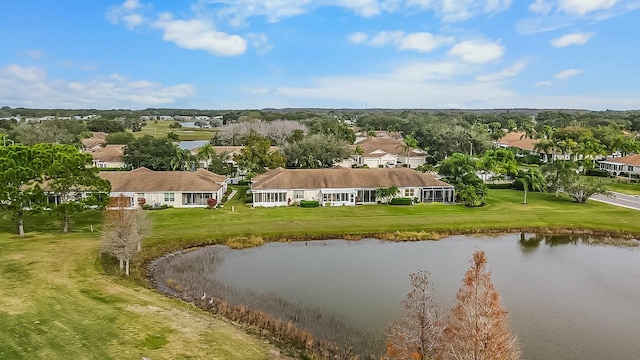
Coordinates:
<point>338,197</point>
<point>438,194</point>
<point>196,198</point>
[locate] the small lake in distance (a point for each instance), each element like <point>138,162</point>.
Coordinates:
<point>567,299</point>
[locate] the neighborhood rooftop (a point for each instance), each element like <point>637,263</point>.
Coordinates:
<point>145,180</point>
<point>343,178</point>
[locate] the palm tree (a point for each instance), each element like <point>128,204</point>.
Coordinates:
<point>205,153</point>
<point>183,160</point>
<point>410,143</point>
<point>358,152</point>
<point>545,146</point>
<point>532,178</point>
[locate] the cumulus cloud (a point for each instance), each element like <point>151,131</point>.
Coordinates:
<point>197,34</point>
<point>477,51</point>
<point>127,13</point>
<point>564,74</point>
<point>420,41</point>
<point>459,10</point>
<point>31,87</point>
<point>541,7</point>
<point>571,39</point>
<point>511,71</point>
<point>260,42</point>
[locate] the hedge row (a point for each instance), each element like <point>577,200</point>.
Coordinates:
<point>401,201</point>
<point>309,203</point>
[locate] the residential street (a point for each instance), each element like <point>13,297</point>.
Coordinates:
<point>618,199</point>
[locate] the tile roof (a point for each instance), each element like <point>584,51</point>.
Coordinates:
<point>627,160</point>
<point>338,178</point>
<point>389,145</point>
<point>145,180</point>
<point>109,153</point>
<point>517,140</point>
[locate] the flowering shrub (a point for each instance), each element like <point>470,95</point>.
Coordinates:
<point>142,201</point>
<point>211,202</point>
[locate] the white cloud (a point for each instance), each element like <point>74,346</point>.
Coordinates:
<point>420,41</point>
<point>357,37</point>
<point>459,10</point>
<point>199,34</point>
<point>30,74</point>
<point>260,42</point>
<point>541,7</point>
<point>511,71</point>
<point>542,83</point>
<point>582,7</point>
<point>571,39</point>
<point>568,73</point>
<point>28,86</point>
<point>477,51</point>
<point>127,14</point>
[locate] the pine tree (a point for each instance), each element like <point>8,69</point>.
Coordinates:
<point>478,327</point>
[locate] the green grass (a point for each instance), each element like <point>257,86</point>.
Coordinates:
<point>625,188</point>
<point>160,129</point>
<point>56,301</point>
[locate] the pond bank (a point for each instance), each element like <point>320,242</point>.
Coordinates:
<point>287,331</point>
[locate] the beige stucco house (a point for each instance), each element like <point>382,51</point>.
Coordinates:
<point>345,186</point>
<point>180,189</point>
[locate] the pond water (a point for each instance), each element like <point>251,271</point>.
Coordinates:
<point>567,298</point>
<point>192,144</point>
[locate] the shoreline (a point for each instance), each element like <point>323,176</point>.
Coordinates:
<point>288,336</point>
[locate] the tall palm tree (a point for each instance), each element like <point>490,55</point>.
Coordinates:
<point>206,153</point>
<point>410,143</point>
<point>183,160</point>
<point>532,178</point>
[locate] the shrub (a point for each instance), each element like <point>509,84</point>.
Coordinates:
<point>309,203</point>
<point>401,201</point>
<point>502,185</point>
<point>211,203</point>
<point>597,172</point>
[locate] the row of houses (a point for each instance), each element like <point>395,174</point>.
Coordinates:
<point>615,165</point>
<point>278,187</point>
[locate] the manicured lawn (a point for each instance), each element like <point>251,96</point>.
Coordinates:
<point>56,303</point>
<point>160,129</point>
<point>625,188</point>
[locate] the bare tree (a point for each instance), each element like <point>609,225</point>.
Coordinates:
<point>124,232</point>
<point>478,327</point>
<point>277,130</point>
<point>418,334</point>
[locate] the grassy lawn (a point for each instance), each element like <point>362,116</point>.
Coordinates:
<point>625,188</point>
<point>56,302</point>
<point>160,129</point>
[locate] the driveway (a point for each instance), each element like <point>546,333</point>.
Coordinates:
<point>618,199</point>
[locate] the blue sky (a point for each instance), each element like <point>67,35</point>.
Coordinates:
<point>240,54</point>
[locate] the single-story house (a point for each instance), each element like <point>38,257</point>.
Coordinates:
<point>95,141</point>
<point>627,164</point>
<point>518,140</point>
<point>180,189</point>
<point>345,186</point>
<point>384,152</point>
<point>110,156</point>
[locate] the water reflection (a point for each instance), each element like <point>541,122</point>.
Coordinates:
<point>566,302</point>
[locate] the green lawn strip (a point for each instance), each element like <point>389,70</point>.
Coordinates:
<point>160,129</point>
<point>56,303</point>
<point>625,188</point>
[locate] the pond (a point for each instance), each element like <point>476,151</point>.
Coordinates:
<point>568,298</point>
<point>192,144</point>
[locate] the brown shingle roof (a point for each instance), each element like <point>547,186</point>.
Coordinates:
<point>97,138</point>
<point>517,140</point>
<point>387,144</point>
<point>627,160</point>
<point>109,153</point>
<point>340,178</point>
<point>145,180</point>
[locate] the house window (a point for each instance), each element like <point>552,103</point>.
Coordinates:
<point>169,197</point>
<point>270,197</point>
<point>630,168</point>
<point>409,193</point>
<point>298,194</point>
